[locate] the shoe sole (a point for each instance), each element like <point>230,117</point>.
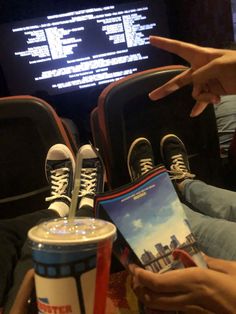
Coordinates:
<point>130,151</point>
<point>162,143</point>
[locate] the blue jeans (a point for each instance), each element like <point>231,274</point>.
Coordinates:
<point>212,219</point>
<point>226,122</point>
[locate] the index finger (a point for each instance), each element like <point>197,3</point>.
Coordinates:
<point>176,281</point>
<point>180,48</point>
<point>172,85</point>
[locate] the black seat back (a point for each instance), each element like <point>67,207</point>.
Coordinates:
<point>125,112</point>
<point>28,128</point>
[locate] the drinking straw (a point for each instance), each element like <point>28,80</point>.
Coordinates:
<point>75,193</point>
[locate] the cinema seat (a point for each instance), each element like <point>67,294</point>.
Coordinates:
<point>28,128</point>
<point>125,112</point>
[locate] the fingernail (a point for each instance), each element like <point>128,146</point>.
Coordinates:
<point>198,108</point>
<point>192,114</point>
<point>195,111</point>
<point>162,92</point>
<point>153,97</point>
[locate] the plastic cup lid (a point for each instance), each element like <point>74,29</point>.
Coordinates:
<point>76,231</point>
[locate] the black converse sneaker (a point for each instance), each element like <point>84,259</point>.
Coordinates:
<point>175,158</point>
<point>60,168</point>
<point>91,179</point>
<point>140,158</point>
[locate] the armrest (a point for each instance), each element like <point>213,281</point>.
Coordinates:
<point>21,304</point>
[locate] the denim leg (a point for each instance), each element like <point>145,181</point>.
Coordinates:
<point>226,122</point>
<point>216,237</point>
<point>210,200</point>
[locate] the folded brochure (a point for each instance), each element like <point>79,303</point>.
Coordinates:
<point>153,230</point>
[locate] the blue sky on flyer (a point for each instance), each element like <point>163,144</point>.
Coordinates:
<point>146,221</point>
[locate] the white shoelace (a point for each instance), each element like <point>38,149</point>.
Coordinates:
<point>88,182</point>
<point>59,182</point>
<point>178,169</point>
<point>146,165</point>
